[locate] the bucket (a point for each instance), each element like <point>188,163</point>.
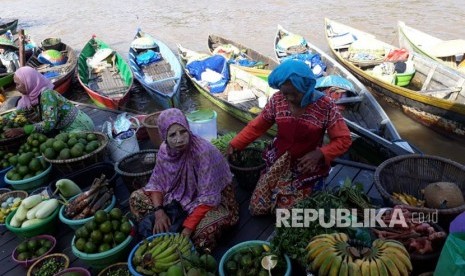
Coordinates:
<point>203,123</point>
<point>150,124</point>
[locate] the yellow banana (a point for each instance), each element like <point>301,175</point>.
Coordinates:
<point>365,267</point>
<point>354,269</point>
<point>390,266</point>
<point>317,250</point>
<point>326,265</point>
<point>342,237</point>
<point>344,269</point>
<point>399,264</point>
<point>326,239</point>
<point>393,246</point>
<point>320,258</point>
<point>373,267</point>
<point>335,266</point>
<point>382,270</point>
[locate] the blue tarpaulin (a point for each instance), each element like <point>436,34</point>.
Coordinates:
<point>336,81</point>
<point>215,63</point>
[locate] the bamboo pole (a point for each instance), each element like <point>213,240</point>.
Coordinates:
<point>22,54</point>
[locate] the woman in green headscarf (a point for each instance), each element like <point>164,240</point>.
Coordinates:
<point>297,159</point>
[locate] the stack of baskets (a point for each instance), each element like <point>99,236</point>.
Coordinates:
<point>136,168</point>
<point>70,165</point>
<point>412,173</point>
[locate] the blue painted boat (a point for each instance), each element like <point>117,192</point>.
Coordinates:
<point>157,68</point>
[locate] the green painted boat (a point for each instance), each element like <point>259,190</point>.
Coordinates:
<point>240,81</point>
<point>264,64</point>
<point>110,77</point>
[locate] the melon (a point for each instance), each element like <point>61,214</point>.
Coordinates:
<point>443,195</point>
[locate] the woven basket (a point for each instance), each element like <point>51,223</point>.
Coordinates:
<point>247,177</point>
<point>136,168</point>
<point>19,193</point>
<point>59,257</point>
<point>12,144</point>
<point>73,164</point>
<point>412,173</point>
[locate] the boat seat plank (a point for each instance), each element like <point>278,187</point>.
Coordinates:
<point>429,77</point>
<point>356,99</point>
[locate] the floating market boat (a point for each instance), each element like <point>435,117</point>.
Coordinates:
<point>104,74</point>
<point>426,89</point>
<point>157,68</point>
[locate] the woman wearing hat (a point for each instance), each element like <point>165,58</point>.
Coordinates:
<point>54,112</point>
<point>297,159</point>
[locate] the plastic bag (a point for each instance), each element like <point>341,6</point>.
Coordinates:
<point>452,259</point>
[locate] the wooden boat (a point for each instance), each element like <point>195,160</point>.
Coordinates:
<point>435,95</point>
<point>240,81</point>
<point>60,75</point>
<point>104,74</point>
<point>8,25</point>
<point>264,63</point>
<point>362,113</point>
<point>161,78</point>
<point>449,52</point>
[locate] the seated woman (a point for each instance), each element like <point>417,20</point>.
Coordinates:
<point>297,159</point>
<point>190,188</point>
<point>52,111</point>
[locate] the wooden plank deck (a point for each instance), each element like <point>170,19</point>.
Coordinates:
<point>248,227</point>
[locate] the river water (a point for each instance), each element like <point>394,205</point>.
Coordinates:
<point>252,23</point>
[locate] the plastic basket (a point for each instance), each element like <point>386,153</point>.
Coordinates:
<point>29,184</point>
<point>231,251</point>
<point>247,177</point>
<point>62,258</point>
<point>70,165</point>
<point>2,176</point>
<point>29,262</point>
<point>136,168</point>
<point>76,223</point>
<point>151,125</point>
<point>104,259</point>
<point>108,271</point>
<point>46,226</point>
<point>131,267</point>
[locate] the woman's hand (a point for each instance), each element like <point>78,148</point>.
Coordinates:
<point>14,132</point>
<point>186,232</point>
<point>162,222</point>
<point>310,161</point>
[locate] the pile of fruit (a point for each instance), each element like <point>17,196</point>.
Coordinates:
<point>408,199</point>
<point>70,145</point>
<point>161,253</point>
<point>9,205</point>
<point>103,232</point>
<point>33,248</point>
<point>5,159</point>
<point>26,165</point>
<point>33,210</point>
<point>335,254</point>
<point>12,120</point>
<point>248,260</point>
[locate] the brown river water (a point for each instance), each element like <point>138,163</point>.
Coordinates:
<point>251,23</point>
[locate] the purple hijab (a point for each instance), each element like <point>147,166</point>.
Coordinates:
<point>193,177</point>
<point>35,83</point>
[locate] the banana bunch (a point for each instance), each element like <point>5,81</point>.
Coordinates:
<point>20,119</point>
<point>408,199</point>
<point>159,254</point>
<point>335,254</point>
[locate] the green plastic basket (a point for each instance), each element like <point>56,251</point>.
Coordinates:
<point>231,251</point>
<point>29,184</point>
<point>47,226</point>
<point>104,259</point>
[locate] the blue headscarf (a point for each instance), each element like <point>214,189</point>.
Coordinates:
<point>301,77</point>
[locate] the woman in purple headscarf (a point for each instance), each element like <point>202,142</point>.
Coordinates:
<point>190,187</point>
<point>54,112</point>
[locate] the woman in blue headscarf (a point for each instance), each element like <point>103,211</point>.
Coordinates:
<point>297,159</point>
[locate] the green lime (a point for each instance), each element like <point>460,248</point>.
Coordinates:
<point>104,247</point>
<point>90,247</point>
<point>106,227</point>
<point>80,244</point>
<point>100,216</point>
<point>116,213</point>
<point>119,237</point>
